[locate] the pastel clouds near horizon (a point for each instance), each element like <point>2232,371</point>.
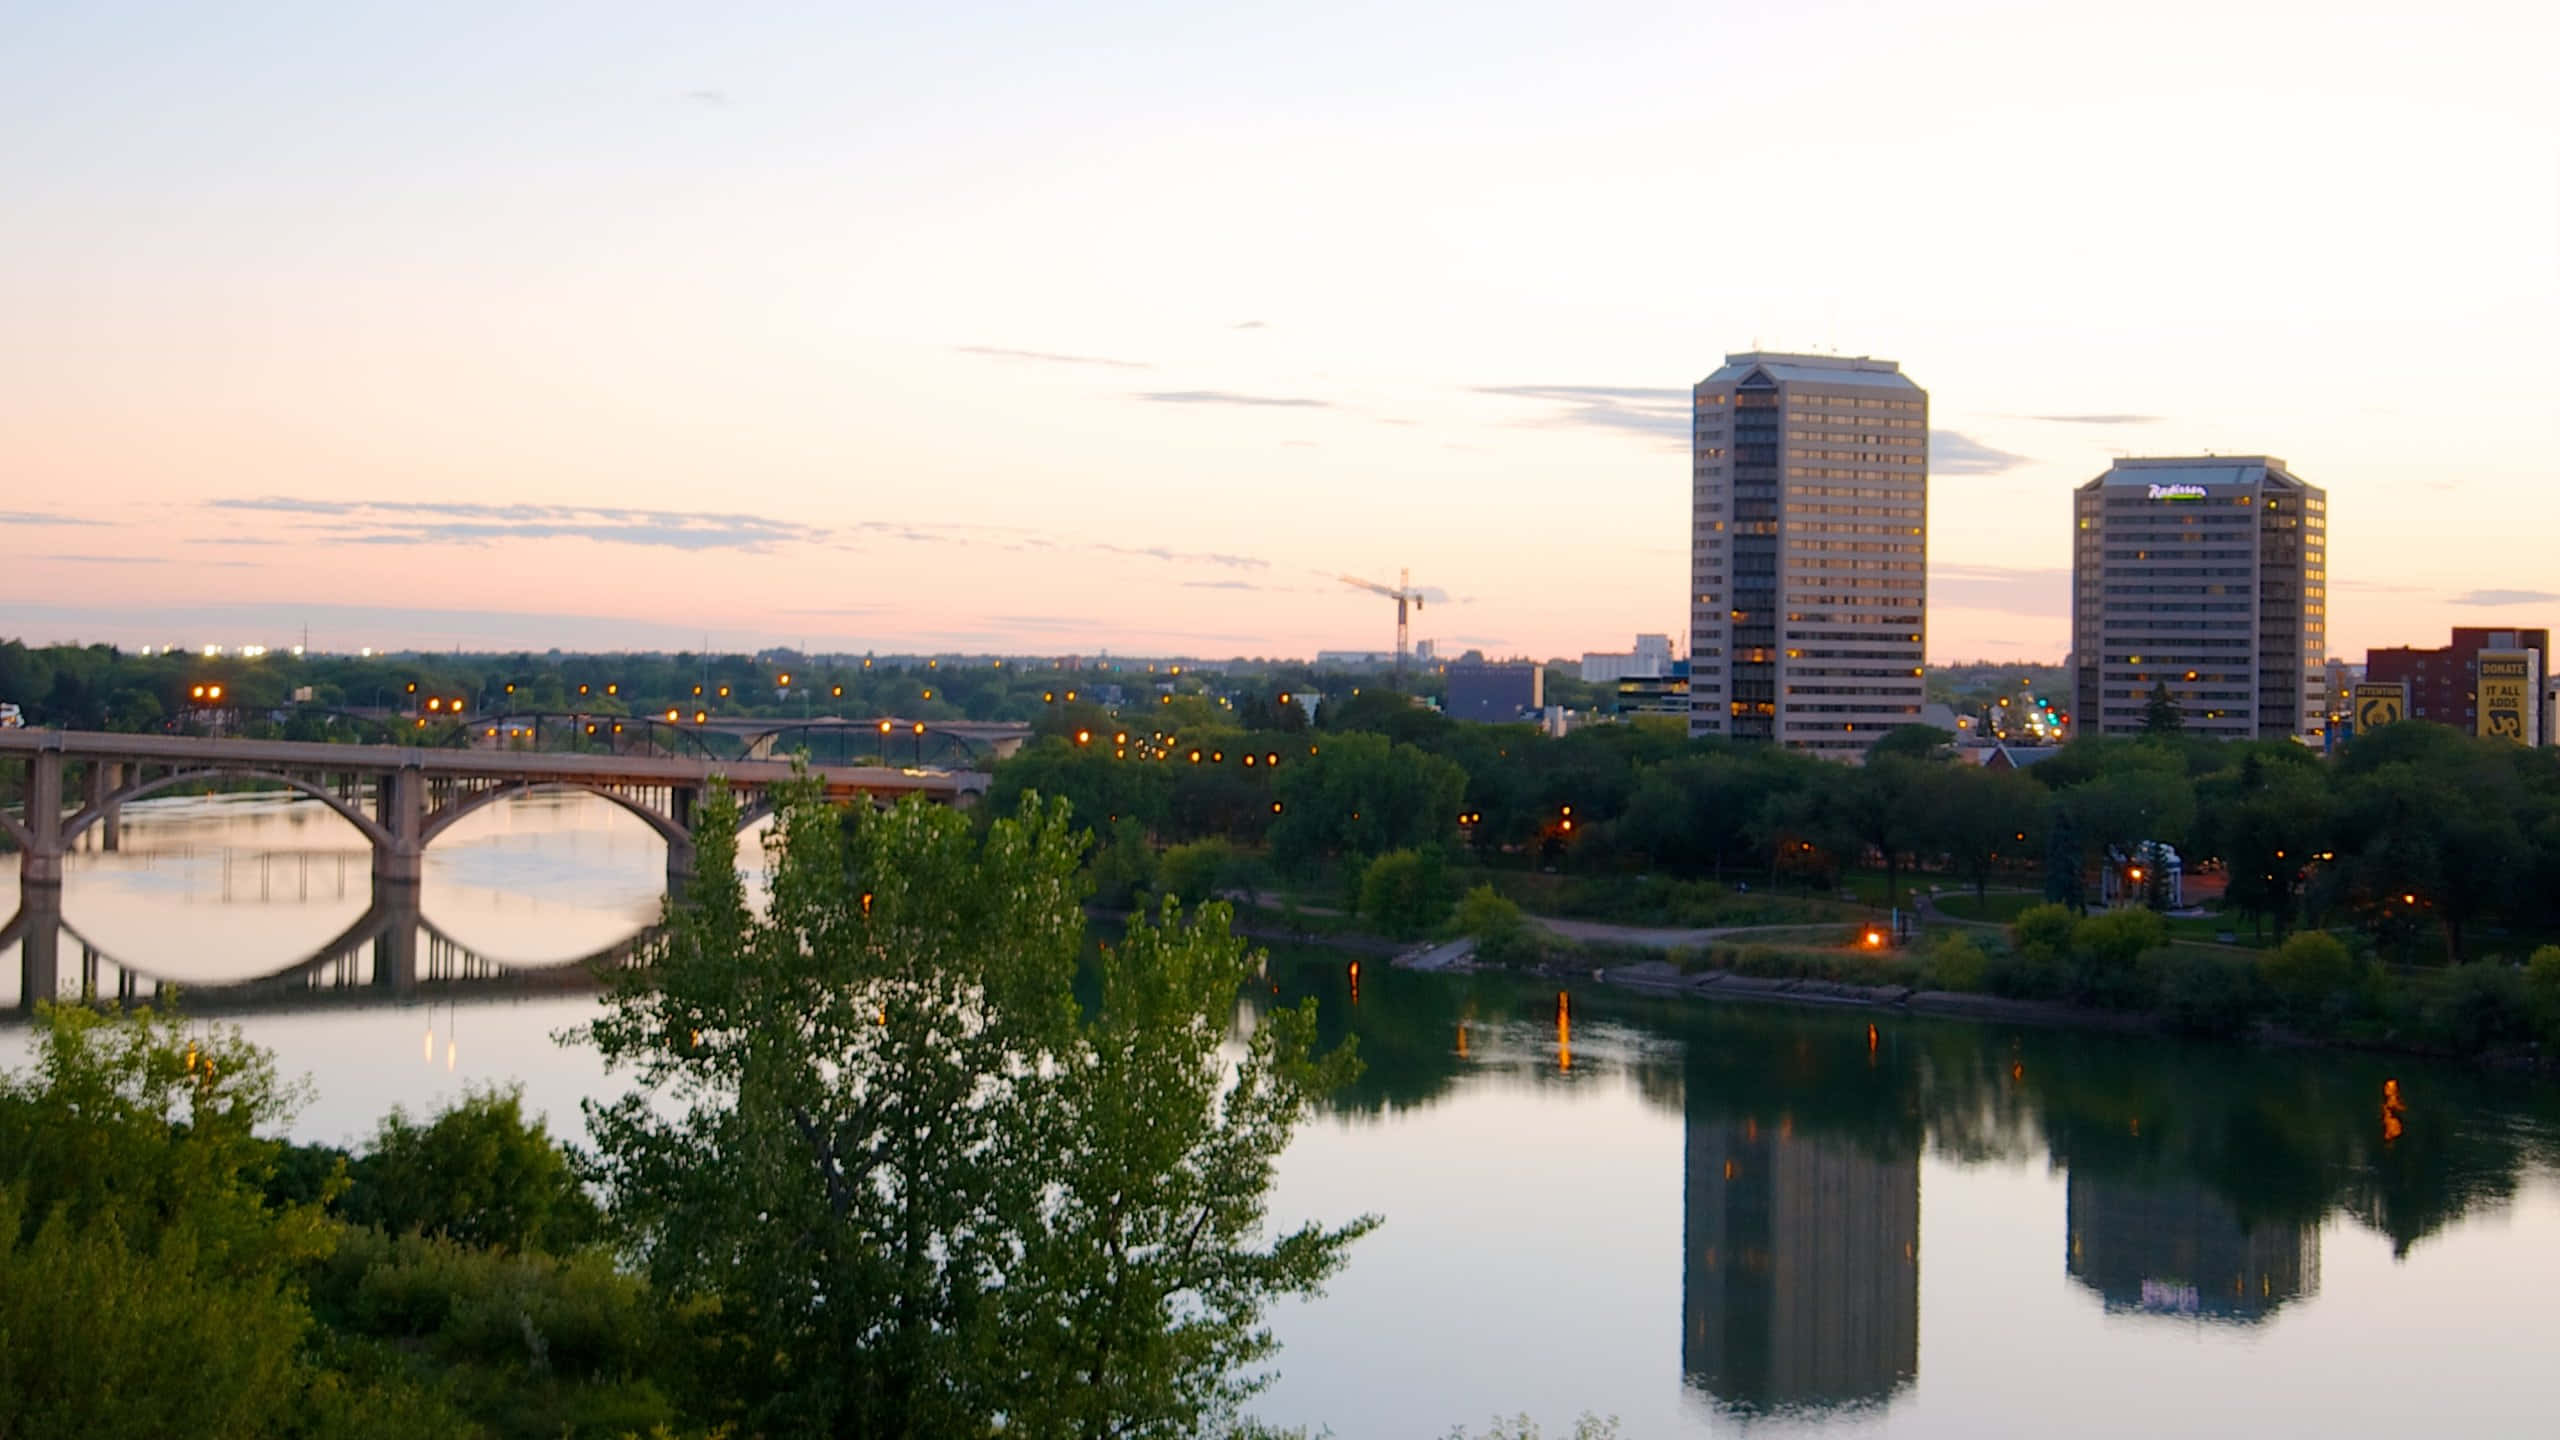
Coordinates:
<point>1130,326</point>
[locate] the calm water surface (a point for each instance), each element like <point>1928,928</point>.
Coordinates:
<point>1705,1220</point>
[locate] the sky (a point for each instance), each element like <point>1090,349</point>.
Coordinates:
<point>1132,327</point>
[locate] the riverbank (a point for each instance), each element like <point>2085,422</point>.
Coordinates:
<point>1659,977</point>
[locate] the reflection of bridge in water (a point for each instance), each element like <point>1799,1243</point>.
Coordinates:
<point>391,954</point>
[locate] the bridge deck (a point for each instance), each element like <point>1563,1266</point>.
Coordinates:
<point>528,767</point>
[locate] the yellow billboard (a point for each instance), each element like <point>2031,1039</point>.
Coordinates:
<point>2505,695</point>
<point>2378,704</point>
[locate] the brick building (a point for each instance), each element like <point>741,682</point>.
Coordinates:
<point>2444,683</point>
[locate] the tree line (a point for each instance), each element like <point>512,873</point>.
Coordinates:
<point>2420,841</point>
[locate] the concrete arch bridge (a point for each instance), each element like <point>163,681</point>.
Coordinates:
<point>399,798</point>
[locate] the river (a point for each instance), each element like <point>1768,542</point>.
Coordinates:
<point>1702,1219</point>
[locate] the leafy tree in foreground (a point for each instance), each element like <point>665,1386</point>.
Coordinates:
<point>147,1286</point>
<point>917,1187</point>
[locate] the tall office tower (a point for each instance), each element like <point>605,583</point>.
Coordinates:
<point>2209,575</point>
<point>1809,552</point>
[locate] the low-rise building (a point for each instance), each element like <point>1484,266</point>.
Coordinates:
<point>1489,691</point>
<point>1651,656</point>
<point>2444,683</point>
<point>1663,694</point>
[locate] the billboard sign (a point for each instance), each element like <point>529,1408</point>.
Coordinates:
<point>2508,705</point>
<point>2379,703</point>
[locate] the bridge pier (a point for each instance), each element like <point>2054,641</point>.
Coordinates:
<point>40,864</point>
<point>400,856</point>
<point>684,804</point>
<point>106,777</point>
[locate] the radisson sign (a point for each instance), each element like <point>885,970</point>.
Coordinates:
<point>2177,492</point>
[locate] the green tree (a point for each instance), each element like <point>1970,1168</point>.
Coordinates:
<point>1881,804</point>
<point>1193,873</point>
<point>1404,893</point>
<point>2064,868</point>
<point>478,1173</point>
<point>1913,742</point>
<point>1122,868</point>
<point>1981,818</point>
<point>147,1285</point>
<point>918,1188</point>
<point>2160,713</point>
<point>1362,794</point>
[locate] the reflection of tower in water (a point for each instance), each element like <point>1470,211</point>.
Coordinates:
<point>1802,1268</point>
<point>2174,1248</point>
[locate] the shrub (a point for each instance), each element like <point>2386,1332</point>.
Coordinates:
<point>2106,955</point>
<point>2200,993</point>
<point>2313,977</point>
<point>1122,866</point>
<point>2476,1007</point>
<point>1404,893</point>
<point>1957,963</point>
<point>1193,873</point>
<point>2043,931</point>
<point>2027,972</point>
<point>1503,935</point>
<point>2118,938</point>
<point>479,1172</point>
<point>2542,992</point>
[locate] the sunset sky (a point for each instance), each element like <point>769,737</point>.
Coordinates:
<point>1121,325</point>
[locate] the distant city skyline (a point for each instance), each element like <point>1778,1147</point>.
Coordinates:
<point>965,330</point>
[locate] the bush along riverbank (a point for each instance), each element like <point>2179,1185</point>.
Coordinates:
<point>2117,970</point>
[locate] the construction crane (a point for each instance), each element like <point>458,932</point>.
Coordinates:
<point>1403,593</point>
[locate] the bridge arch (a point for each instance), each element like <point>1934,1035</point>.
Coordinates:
<point>366,824</point>
<point>665,826</point>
